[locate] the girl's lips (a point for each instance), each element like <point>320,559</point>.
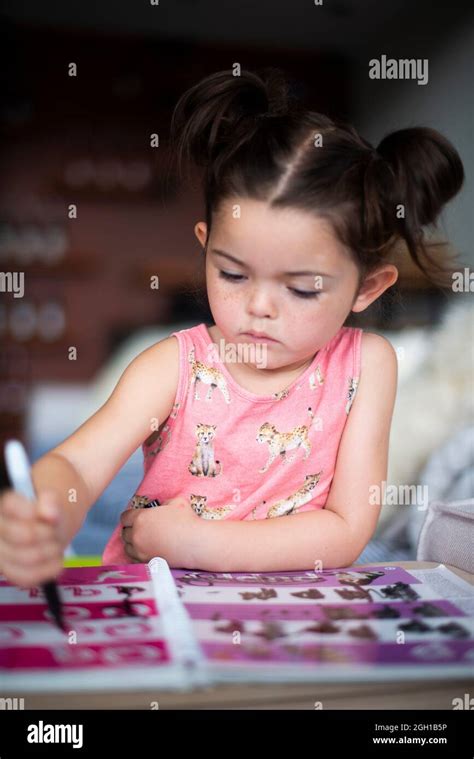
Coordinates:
<point>259,339</point>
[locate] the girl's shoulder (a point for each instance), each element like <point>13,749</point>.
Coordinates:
<point>376,350</point>
<point>158,367</point>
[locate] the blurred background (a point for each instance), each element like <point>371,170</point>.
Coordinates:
<point>85,140</point>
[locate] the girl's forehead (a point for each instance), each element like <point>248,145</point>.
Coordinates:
<point>252,230</point>
<point>239,218</point>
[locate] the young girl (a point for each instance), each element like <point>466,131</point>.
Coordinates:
<point>265,435</point>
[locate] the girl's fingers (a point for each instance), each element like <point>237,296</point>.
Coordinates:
<point>20,532</point>
<point>51,511</point>
<point>17,509</point>
<point>30,543</point>
<point>49,507</point>
<point>128,516</point>
<point>130,551</point>
<point>31,557</point>
<point>31,576</point>
<point>127,535</point>
<point>16,506</point>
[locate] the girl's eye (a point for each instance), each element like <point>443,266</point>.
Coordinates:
<point>299,293</point>
<point>305,293</point>
<point>232,277</point>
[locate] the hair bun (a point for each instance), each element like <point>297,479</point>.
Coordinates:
<point>427,168</point>
<point>277,91</point>
<point>218,115</point>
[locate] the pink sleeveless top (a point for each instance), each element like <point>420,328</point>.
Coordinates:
<point>237,455</point>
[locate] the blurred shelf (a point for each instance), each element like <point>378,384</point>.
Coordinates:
<point>173,273</point>
<point>75,265</point>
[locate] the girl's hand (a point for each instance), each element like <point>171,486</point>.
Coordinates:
<point>171,530</point>
<point>31,537</point>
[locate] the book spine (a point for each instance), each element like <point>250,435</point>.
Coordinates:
<point>177,625</point>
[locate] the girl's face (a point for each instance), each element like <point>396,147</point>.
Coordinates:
<point>281,272</point>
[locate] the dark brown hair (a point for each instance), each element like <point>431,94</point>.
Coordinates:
<point>252,139</point>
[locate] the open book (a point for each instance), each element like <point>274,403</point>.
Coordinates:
<point>142,626</point>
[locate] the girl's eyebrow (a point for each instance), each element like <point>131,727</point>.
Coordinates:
<point>289,273</point>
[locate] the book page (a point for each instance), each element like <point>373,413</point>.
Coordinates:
<point>449,585</point>
<point>119,632</point>
<point>379,622</point>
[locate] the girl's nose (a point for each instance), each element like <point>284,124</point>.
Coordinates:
<point>261,304</point>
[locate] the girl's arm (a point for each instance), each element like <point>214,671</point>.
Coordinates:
<point>336,535</point>
<point>81,467</point>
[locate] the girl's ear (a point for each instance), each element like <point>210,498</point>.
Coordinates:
<point>374,285</point>
<point>200,230</point>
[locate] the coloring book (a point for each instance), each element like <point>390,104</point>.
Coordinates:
<point>140,626</point>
